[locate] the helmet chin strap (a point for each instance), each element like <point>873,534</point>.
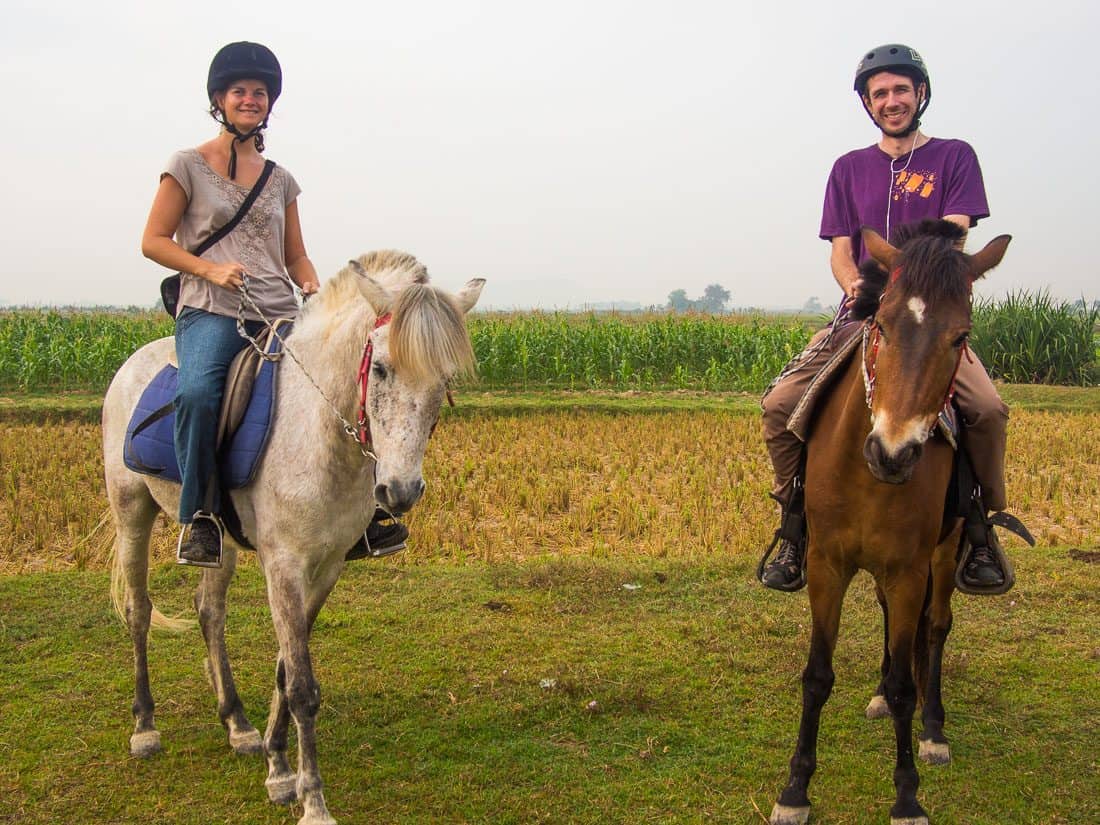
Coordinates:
<point>239,137</point>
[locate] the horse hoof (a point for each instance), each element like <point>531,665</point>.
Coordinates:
<point>324,819</point>
<point>282,790</point>
<point>785,815</point>
<point>934,753</point>
<point>145,744</point>
<point>246,742</point>
<point>877,708</point>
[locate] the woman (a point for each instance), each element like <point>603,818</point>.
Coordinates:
<point>199,192</point>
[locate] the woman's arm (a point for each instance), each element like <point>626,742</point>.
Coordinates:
<point>298,265</point>
<point>158,245</point>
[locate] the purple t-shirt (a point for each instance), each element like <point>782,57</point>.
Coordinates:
<point>942,178</point>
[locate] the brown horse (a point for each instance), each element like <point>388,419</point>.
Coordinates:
<point>875,490</point>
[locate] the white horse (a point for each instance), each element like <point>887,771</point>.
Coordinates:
<point>313,495</point>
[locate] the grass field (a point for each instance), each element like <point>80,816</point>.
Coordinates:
<point>545,691</point>
<point>458,678</point>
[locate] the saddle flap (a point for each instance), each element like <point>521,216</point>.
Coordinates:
<point>802,415</point>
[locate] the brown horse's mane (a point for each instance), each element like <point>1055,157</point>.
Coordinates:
<point>930,265</point>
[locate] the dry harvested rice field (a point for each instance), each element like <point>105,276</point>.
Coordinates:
<point>501,486</point>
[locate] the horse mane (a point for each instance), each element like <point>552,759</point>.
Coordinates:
<point>929,266</point>
<point>428,336</point>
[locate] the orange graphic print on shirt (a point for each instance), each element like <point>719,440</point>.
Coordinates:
<point>910,184</point>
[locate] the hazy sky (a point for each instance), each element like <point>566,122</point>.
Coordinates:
<point>570,152</point>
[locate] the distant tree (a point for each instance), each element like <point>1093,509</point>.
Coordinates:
<point>678,301</point>
<point>813,306</point>
<point>714,298</point>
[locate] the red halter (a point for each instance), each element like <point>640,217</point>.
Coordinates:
<point>363,422</point>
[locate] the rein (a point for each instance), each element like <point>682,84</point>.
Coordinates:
<point>246,297</point>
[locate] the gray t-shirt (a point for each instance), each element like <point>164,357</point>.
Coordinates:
<point>256,242</point>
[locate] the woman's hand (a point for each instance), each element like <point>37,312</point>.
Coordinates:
<point>228,276</point>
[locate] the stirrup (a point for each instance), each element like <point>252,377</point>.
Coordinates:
<point>794,586</point>
<point>792,529</point>
<point>396,533</point>
<point>978,532</point>
<point>201,515</point>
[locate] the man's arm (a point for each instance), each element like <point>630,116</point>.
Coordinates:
<point>842,260</point>
<point>964,222</point>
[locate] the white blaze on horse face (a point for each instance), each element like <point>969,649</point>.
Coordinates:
<point>916,306</point>
<point>896,437</point>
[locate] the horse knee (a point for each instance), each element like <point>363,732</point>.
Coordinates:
<point>817,684</point>
<point>303,697</point>
<point>901,696</point>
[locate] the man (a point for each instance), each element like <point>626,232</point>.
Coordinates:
<point>906,176</point>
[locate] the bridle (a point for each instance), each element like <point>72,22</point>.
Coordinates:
<point>360,431</point>
<point>872,333</point>
<point>362,423</point>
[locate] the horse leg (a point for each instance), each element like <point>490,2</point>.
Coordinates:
<point>934,748</point>
<point>297,693</point>
<point>210,606</point>
<point>877,707</point>
<point>826,588</point>
<point>134,512</point>
<point>281,781</point>
<point>905,600</point>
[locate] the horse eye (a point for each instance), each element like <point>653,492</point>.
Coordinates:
<point>379,371</point>
<point>962,339</point>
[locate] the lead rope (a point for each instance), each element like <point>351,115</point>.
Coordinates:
<point>246,297</point>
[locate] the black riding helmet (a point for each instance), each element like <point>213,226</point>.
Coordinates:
<point>899,59</point>
<point>243,61</point>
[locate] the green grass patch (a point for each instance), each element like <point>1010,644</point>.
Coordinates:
<point>545,691</point>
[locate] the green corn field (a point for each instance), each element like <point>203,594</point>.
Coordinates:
<point>1025,338</point>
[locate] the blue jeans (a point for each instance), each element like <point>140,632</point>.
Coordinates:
<point>205,346</point>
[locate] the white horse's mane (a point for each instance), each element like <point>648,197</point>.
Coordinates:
<point>428,337</point>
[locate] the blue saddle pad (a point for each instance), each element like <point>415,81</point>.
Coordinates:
<point>150,445</point>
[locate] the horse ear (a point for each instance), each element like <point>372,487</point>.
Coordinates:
<point>878,248</point>
<point>468,295</point>
<point>377,295</point>
<point>990,255</point>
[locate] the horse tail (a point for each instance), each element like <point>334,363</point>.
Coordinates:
<point>176,624</point>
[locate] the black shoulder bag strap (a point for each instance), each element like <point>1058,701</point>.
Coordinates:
<point>170,286</point>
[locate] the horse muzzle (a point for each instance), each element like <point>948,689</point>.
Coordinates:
<point>399,496</point>
<point>891,466</point>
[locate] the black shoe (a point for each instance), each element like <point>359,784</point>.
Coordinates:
<point>787,571</point>
<point>384,537</point>
<point>203,547</point>
<point>982,570</point>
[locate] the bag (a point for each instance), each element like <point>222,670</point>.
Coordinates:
<point>170,293</point>
<point>170,286</point>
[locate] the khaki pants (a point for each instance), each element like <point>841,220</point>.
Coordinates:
<point>983,413</point>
